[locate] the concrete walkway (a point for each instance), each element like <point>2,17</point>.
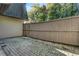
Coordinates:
<point>25,46</point>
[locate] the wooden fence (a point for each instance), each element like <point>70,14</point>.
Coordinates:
<point>65,30</point>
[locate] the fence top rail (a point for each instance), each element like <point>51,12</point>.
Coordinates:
<point>60,19</point>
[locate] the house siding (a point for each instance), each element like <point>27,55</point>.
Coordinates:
<point>10,27</point>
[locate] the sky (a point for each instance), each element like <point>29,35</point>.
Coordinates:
<point>29,6</point>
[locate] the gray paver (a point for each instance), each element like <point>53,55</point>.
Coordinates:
<point>25,46</point>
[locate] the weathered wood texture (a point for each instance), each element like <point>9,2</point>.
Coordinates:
<point>17,10</point>
<point>3,7</point>
<point>65,30</point>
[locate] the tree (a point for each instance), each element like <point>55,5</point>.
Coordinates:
<point>38,13</point>
<point>53,11</point>
<point>68,9</point>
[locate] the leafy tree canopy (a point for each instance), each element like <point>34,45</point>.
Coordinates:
<point>52,11</point>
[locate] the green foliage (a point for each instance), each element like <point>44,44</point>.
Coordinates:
<point>52,11</point>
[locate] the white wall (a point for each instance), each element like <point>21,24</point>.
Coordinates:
<point>10,27</point>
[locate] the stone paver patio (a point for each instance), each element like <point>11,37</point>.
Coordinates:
<point>25,46</point>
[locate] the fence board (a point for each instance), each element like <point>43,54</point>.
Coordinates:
<point>63,31</point>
